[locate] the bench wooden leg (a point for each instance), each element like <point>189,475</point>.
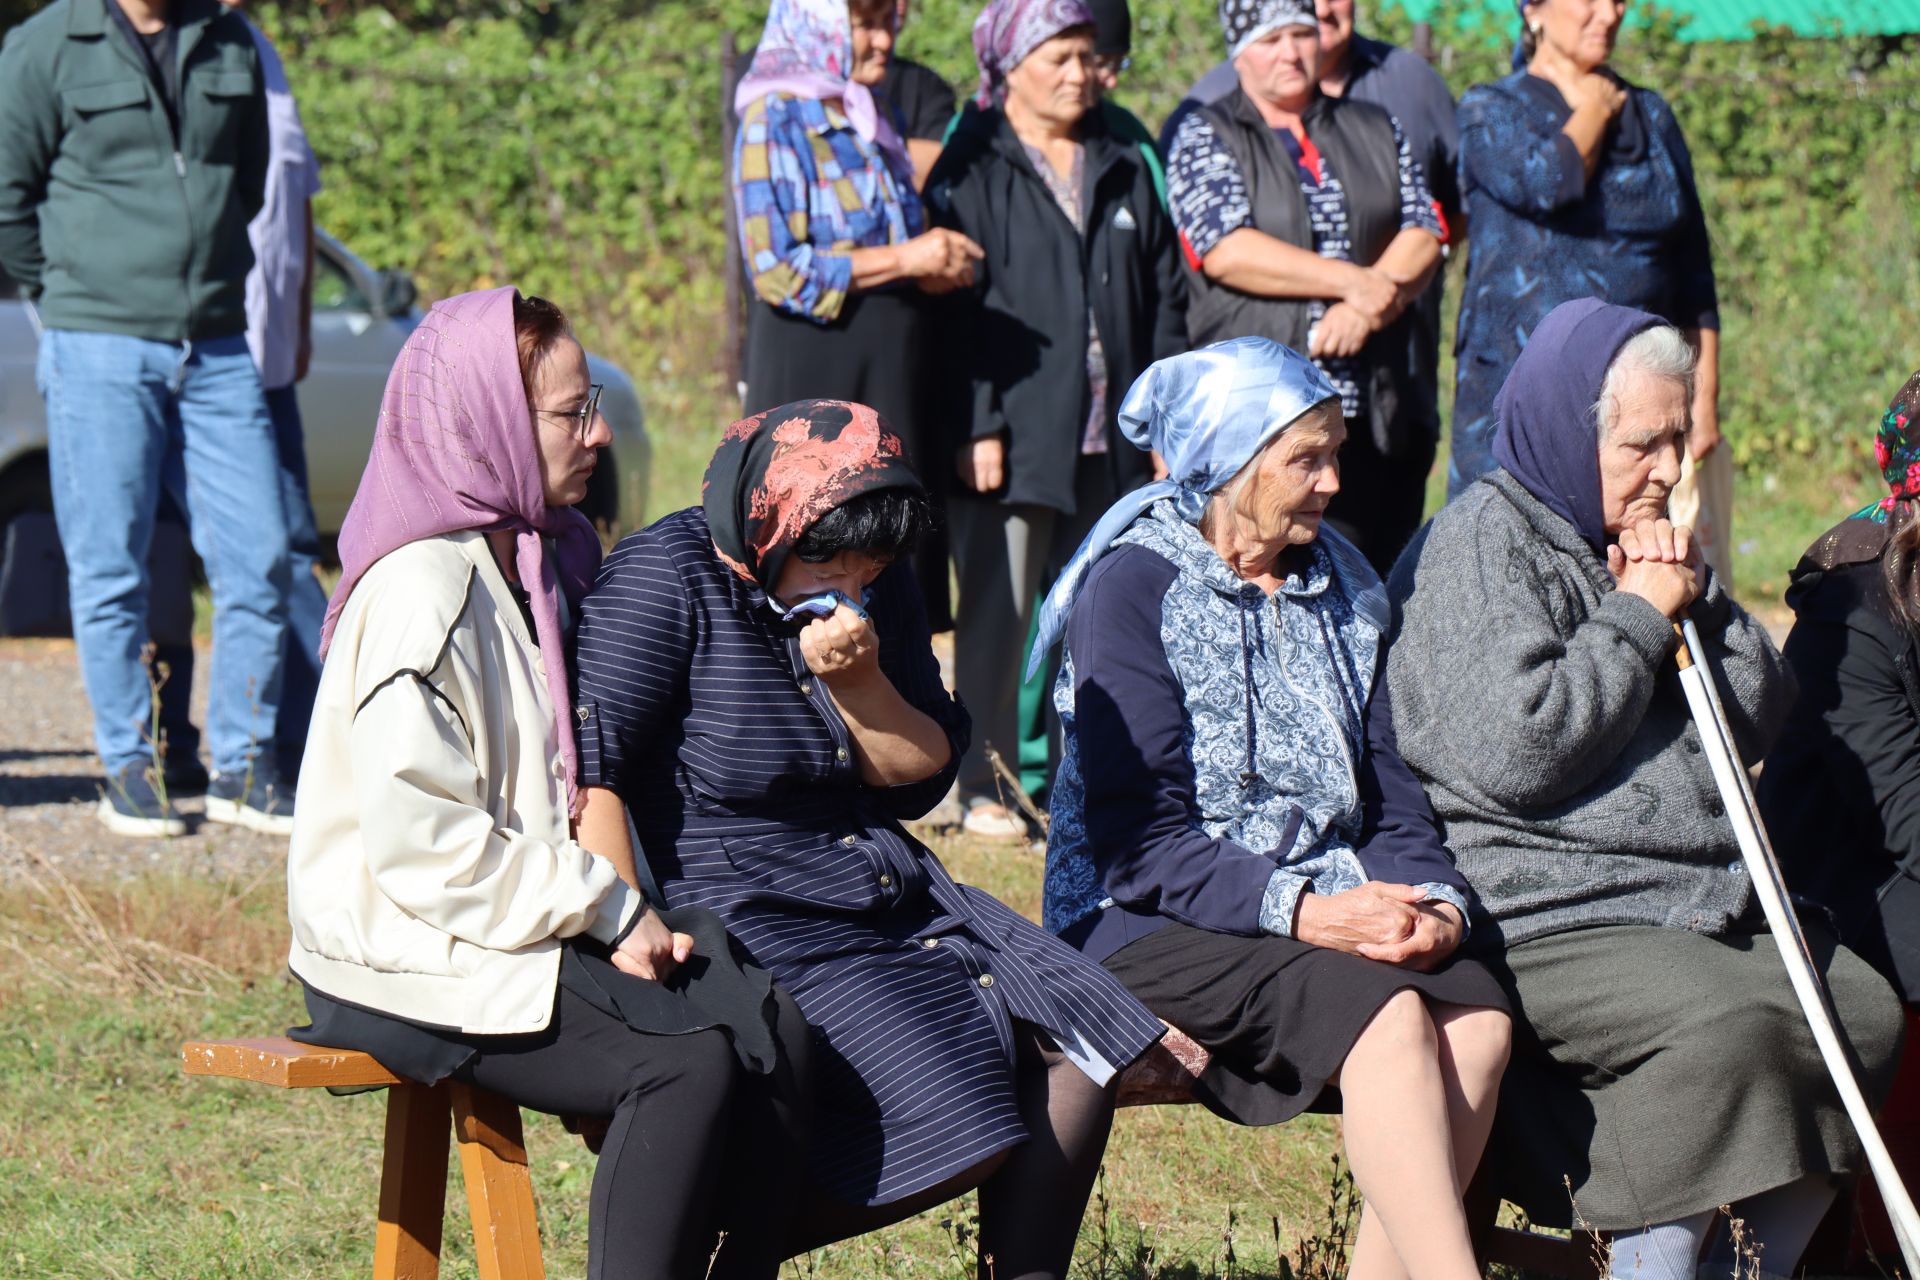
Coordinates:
<point>413,1184</point>
<point>493,1160</point>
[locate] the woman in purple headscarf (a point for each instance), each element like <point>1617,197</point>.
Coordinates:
<point>444,918</point>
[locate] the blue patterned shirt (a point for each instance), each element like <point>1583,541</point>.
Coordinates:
<point>1208,196</point>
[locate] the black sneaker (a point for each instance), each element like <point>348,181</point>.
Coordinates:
<point>184,775</point>
<point>131,806</point>
<point>257,800</point>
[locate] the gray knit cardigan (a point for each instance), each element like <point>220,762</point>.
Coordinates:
<point>1544,713</point>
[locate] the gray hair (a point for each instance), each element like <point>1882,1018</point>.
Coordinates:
<point>1660,352</point>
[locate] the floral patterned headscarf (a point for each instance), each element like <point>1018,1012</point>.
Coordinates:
<point>1008,30</point>
<point>806,51</point>
<point>1896,451</point>
<point>776,473</point>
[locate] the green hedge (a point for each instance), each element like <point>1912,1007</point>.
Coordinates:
<point>576,150</point>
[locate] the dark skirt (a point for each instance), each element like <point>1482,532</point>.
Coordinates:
<point>1659,1073</point>
<point>1277,1015</point>
<point>874,353</point>
<point>713,989</point>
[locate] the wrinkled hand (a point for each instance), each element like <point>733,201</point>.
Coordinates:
<point>1342,332</point>
<point>841,648</point>
<point>1372,293</point>
<point>982,463</point>
<point>941,254</point>
<point>651,950</point>
<point>1659,562</point>
<point>1374,914</point>
<point>1602,91</point>
<point>1437,931</point>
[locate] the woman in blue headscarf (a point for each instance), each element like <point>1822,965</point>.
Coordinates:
<point>1233,833</point>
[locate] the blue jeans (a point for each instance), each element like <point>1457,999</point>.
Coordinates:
<point>306,610</point>
<point>306,600</point>
<point>126,416</point>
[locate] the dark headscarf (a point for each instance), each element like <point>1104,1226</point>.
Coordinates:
<point>776,473</point>
<point>1546,437</point>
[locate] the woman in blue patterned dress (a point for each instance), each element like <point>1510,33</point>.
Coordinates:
<point>1234,835</point>
<point>1576,184</point>
<point>768,737</point>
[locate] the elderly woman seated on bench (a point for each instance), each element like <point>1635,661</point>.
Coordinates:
<point>444,919</point>
<point>1233,834</point>
<point>1661,1067</point>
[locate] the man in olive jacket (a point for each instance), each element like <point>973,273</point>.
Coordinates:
<point>133,153</point>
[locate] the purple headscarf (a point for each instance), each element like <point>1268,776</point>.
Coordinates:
<point>1008,30</point>
<point>1546,438</point>
<point>454,450</point>
<point>806,50</point>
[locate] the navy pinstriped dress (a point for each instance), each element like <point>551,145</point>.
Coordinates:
<point>697,708</point>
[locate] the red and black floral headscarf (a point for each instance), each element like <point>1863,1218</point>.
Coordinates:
<point>777,473</point>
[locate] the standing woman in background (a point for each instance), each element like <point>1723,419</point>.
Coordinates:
<point>1078,293</point>
<point>832,232</point>
<point>1578,184</point>
<point>1304,218</point>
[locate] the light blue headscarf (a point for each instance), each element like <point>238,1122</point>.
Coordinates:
<point>1206,413</point>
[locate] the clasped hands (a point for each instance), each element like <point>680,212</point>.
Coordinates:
<point>1395,924</point>
<point>1659,561</point>
<point>1372,300</point>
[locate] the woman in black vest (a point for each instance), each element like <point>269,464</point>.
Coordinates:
<point>1304,218</point>
<point>1078,293</point>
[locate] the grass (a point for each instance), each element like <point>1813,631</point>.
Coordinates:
<point>113,1164</point>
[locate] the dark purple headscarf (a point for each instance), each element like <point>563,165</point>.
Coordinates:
<point>1546,437</point>
<point>454,450</point>
<point>1008,30</point>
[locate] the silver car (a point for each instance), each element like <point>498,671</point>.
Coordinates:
<point>360,319</point>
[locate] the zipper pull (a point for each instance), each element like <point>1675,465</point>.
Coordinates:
<point>179,164</point>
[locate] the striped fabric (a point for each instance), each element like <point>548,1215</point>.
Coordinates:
<point>807,190</point>
<point>695,705</point>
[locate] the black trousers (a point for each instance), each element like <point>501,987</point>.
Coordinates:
<point>696,1147</point>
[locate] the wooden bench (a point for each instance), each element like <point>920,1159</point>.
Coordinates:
<point>413,1171</point>
<point>493,1158</point>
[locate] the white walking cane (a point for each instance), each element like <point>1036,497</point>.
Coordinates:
<point>1756,851</point>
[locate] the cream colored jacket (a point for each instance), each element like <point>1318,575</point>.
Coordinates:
<point>431,873</point>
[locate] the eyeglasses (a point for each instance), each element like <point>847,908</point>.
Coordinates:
<point>1112,63</point>
<point>583,416</point>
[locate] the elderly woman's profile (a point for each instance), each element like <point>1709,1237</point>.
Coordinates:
<point>1233,833</point>
<point>445,919</point>
<point>1661,1067</point>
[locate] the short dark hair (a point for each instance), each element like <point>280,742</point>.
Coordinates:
<point>873,13</point>
<point>884,523</point>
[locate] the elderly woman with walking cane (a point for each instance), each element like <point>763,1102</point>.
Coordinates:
<point>1661,1067</point>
